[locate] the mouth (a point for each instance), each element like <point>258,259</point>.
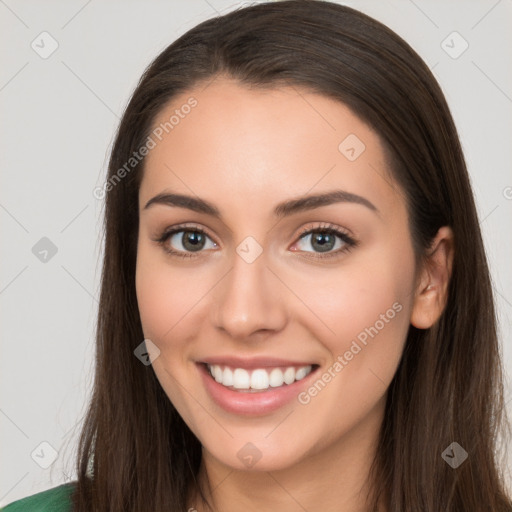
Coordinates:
<point>259,379</point>
<point>254,387</point>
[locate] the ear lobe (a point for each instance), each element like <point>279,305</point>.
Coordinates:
<point>431,293</point>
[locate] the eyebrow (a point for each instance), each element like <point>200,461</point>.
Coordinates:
<point>283,209</point>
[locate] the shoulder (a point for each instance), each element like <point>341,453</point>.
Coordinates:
<point>57,499</point>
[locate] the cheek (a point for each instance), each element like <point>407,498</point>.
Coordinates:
<point>166,300</point>
<point>163,294</point>
<point>364,355</point>
<point>171,303</point>
<point>364,310</point>
<point>155,300</point>
<point>347,302</point>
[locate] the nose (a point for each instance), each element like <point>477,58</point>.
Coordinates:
<point>249,300</point>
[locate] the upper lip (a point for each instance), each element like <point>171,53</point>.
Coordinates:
<point>253,362</point>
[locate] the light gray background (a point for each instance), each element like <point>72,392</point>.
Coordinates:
<point>58,117</point>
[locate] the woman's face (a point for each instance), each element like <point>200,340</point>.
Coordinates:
<point>302,328</point>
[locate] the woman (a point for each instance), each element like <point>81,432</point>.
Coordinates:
<point>296,311</point>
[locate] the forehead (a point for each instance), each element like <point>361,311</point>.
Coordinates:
<point>267,144</point>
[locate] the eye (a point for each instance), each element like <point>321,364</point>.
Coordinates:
<point>324,239</point>
<point>187,241</point>
<point>184,241</point>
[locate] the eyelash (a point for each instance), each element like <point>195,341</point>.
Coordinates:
<point>330,229</point>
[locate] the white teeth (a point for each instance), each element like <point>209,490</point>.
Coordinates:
<point>217,373</point>
<point>227,377</point>
<point>241,379</point>
<point>276,378</point>
<point>289,375</point>
<point>301,373</point>
<point>258,379</point>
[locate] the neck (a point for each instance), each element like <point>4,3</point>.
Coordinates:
<point>335,478</point>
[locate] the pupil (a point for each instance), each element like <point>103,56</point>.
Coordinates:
<point>192,240</point>
<point>325,241</point>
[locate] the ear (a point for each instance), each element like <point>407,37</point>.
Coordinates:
<point>431,293</point>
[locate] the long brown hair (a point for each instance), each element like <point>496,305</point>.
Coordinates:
<point>449,384</point>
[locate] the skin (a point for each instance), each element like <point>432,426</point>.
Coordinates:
<point>246,150</point>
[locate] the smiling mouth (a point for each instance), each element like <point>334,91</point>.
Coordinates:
<point>257,379</point>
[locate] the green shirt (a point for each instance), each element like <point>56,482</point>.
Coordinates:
<point>57,499</point>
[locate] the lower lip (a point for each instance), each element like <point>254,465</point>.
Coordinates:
<point>252,403</point>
